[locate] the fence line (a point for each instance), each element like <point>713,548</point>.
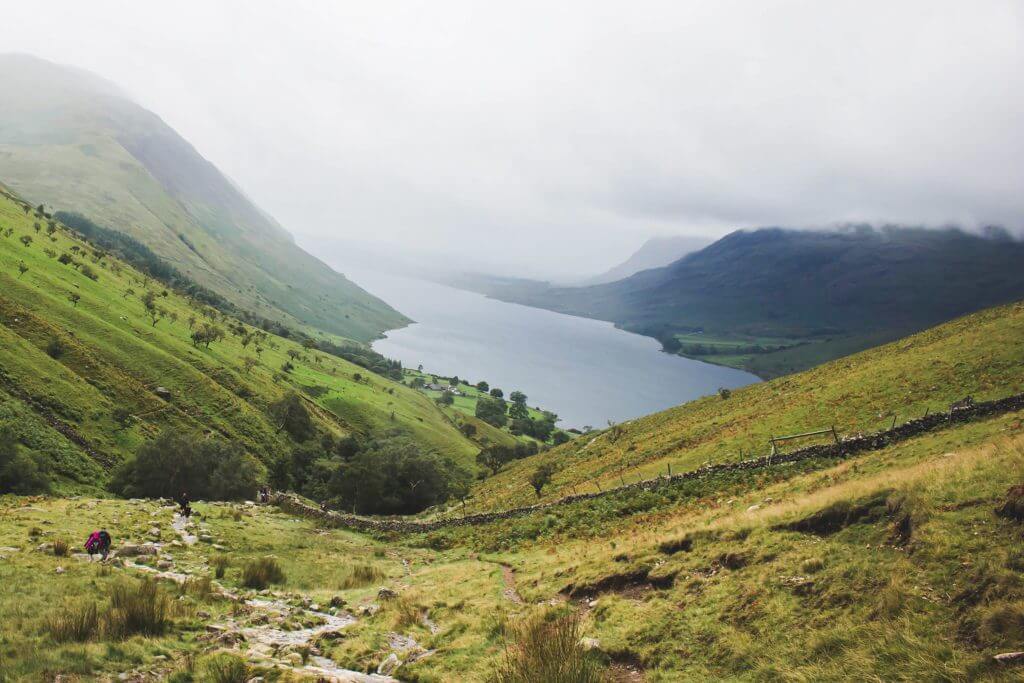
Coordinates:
<point>844,448</point>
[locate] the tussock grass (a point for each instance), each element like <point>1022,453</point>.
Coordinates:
<point>137,608</point>
<point>75,623</point>
<point>262,572</point>
<point>61,548</point>
<point>225,668</point>
<point>360,575</point>
<point>546,647</point>
<point>220,564</point>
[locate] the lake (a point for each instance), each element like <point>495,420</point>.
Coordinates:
<point>585,370</point>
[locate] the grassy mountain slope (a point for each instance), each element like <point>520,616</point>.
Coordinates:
<point>786,300</point>
<point>74,143</point>
<point>113,358</point>
<point>980,355</point>
<point>890,566</point>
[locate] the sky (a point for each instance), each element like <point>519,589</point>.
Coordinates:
<point>542,138</point>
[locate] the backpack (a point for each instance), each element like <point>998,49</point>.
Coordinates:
<point>104,539</point>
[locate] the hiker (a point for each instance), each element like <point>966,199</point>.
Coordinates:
<point>264,495</point>
<point>184,509</point>
<point>98,543</point>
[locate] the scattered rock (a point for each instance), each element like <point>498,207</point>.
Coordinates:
<point>389,665</point>
<point>1010,658</point>
<point>59,570</point>
<point>1012,507</point>
<point>753,508</point>
<point>337,602</point>
<point>206,538</point>
<point>590,643</point>
<point>369,610</point>
<point>386,594</point>
<point>11,549</point>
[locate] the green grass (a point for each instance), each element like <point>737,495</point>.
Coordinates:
<point>981,355</point>
<point>115,358</point>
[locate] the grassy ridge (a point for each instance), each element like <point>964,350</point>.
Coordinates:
<point>113,357</point>
<point>980,355</point>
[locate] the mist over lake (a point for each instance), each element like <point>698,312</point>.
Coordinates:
<point>585,370</point>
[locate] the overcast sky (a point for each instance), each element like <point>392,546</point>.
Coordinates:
<point>557,136</point>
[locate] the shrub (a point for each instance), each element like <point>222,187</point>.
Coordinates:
<point>547,648</point>
<point>220,564</point>
<point>261,573</point>
<point>55,348</point>
<point>226,668</point>
<point>291,415</point>
<point>359,575</point>
<point>61,548</point>
<point>74,623</point>
<point>200,587</point>
<point>137,608</point>
<point>19,472</point>
<point>812,565</point>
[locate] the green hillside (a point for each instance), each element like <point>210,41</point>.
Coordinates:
<point>980,355</point>
<point>897,564</point>
<point>78,346</point>
<point>776,301</point>
<point>75,143</point>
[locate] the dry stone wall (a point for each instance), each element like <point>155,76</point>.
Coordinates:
<point>844,449</point>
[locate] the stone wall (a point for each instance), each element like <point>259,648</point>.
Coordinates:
<point>844,449</point>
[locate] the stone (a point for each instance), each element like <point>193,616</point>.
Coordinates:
<point>1010,658</point>
<point>389,665</point>
<point>753,508</point>
<point>206,538</point>
<point>59,570</point>
<point>337,602</point>
<point>386,593</point>
<point>11,549</point>
<point>590,643</point>
<point>164,564</point>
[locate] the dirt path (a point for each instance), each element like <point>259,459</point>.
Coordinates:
<point>508,576</point>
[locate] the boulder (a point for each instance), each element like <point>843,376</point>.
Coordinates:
<point>386,593</point>
<point>1010,658</point>
<point>590,643</point>
<point>1012,507</point>
<point>389,665</point>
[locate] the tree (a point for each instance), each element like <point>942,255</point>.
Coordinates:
<point>122,416</point>
<point>491,411</point>
<point>417,383</point>
<point>468,429</point>
<point>483,386</point>
<point>393,474</point>
<point>494,457</point>
<point>445,399</point>
<point>291,415</point>
<point>156,314</point>
<point>176,462</point>
<point>37,227</point>
<point>497,393</point>
<point>20,473</point>
<point>541,477</point>
<point>26,239</point>
<point>248,363</point>
<point>309,343</point>
<point>206,334</point>
<point>293,354</point>
<point>191,319</point>
<point>518,411</point>
<point>22,269</point>
<point>51,227</point>
<point>74,298</point>
<point>173,315</point>
<point>517,397</point>
<point>559,437</point>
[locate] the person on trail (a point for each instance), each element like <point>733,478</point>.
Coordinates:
<point>185,510</point>
<point>98,543</point>
<point>264,495</point>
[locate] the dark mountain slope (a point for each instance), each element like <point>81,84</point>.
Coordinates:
<point>800,296</point>
<point>73,142</point>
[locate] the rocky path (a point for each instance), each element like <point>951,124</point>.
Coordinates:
<point>268,629</point>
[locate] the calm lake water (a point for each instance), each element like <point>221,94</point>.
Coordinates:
<point>587,371</point>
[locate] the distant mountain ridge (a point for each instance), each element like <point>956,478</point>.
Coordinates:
<point>822,293</point>
<point>654,253</point>
<point>74,142</point>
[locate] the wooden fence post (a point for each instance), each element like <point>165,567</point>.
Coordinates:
<point>893,425</point>
<point>670,469</point>
<point>834,435</point>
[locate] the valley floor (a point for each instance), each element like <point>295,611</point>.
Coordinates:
<point>893,565</point>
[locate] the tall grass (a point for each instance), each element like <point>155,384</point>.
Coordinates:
<point>359,575</point>
<point>220,564</point>
<point>61,548</point>
<point>262,572</point>
<point>137,608</point>
<point>225,668</point>
<point>547,648</point>
<point>74,623</point>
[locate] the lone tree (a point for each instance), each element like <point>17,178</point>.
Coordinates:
<point>291,416</point>
<point>22,269</point>
<point>518,409</point>
<point>74,298</point>
<point>541,477</point>
<point>483,386</point>
<point>494,457</point>
<point>497,393</point>
<point>26,239</point>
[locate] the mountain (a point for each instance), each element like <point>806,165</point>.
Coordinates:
<point>87,375</point>
<point>74,142</point>
<point>654,253</point>
<point>775,301</point>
